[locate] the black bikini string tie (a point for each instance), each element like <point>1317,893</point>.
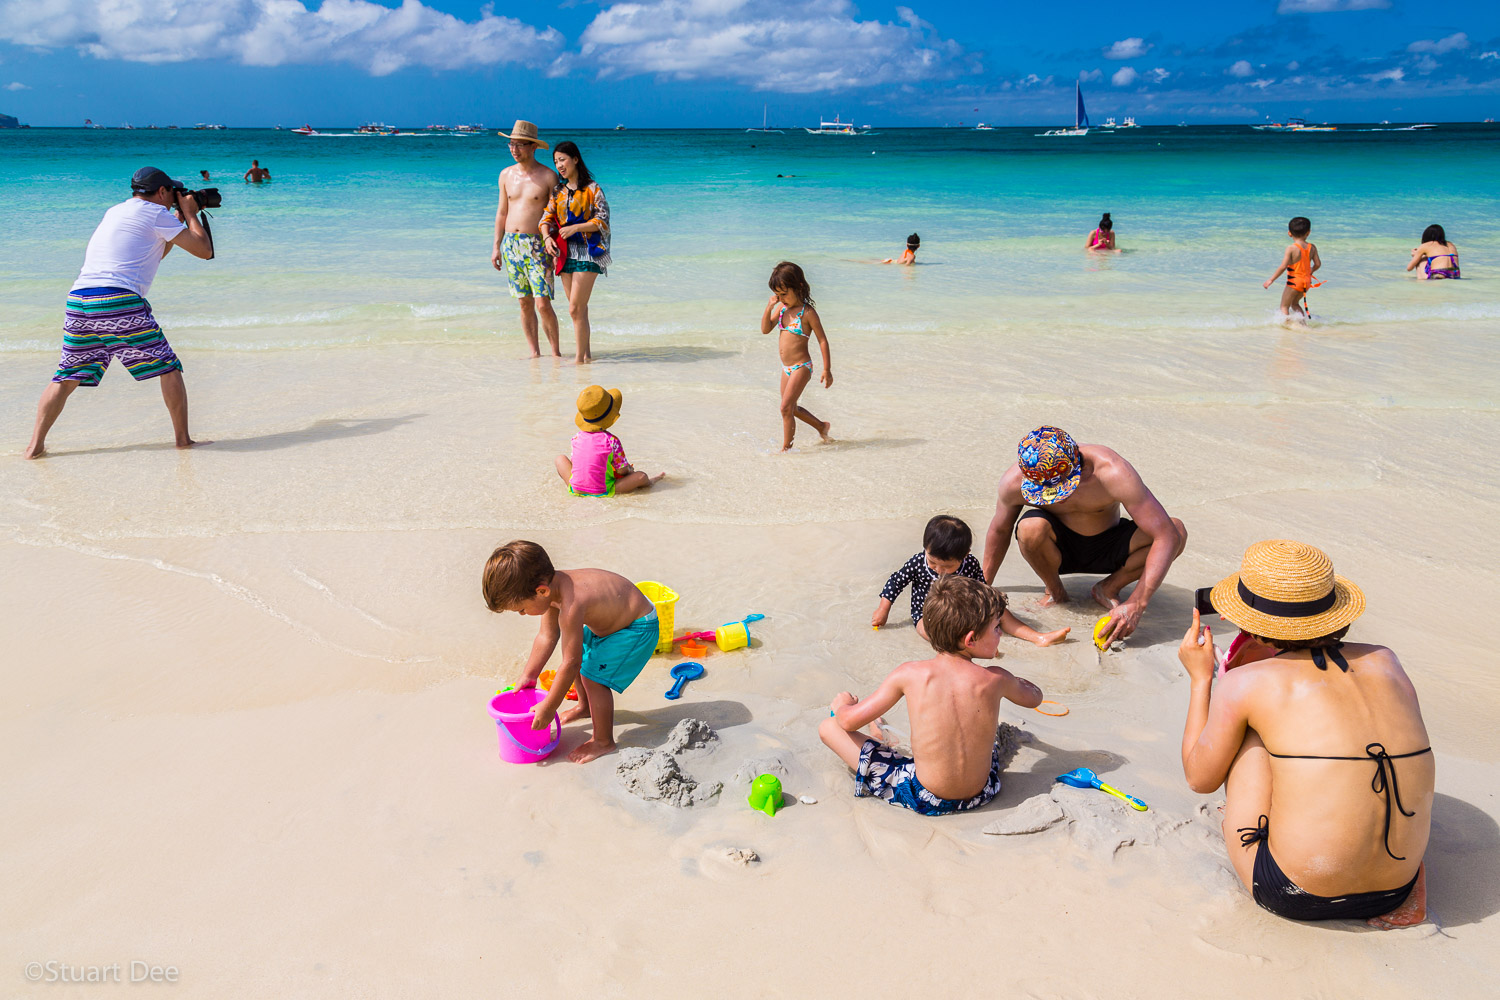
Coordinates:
<point>1386,787</point>
<point>1251,834</point>
<point>1333,654</point>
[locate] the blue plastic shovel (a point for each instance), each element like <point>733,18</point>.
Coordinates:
<point>687,670</point>
<point>1085,778</point>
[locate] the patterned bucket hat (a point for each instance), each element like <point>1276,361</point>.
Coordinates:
<point>1051,466</point>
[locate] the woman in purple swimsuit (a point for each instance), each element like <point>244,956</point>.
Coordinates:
<point>1435,250</point>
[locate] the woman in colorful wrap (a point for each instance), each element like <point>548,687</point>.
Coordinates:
<point>576,226</point>
<point>1318,743</point>
<point>1435,248</point>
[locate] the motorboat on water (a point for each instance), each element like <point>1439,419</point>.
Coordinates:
<point>1080,117</point>
<point>376,128</point>
<point>982,127</point>
<point>837,127</point>
<point>1290,125</point>
<point>1129,123</point>
<point>305,130</point>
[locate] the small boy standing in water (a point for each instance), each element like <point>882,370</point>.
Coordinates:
<point>597,466</point>
<point>1300,262</point>
<point>608,630</point>
<point>945,551</point>
<point>953,704</point>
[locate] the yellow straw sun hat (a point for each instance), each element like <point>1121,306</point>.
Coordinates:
<point>1287,590</point>
<point>597,409</point>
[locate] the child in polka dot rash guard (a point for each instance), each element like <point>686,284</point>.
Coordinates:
<point>945,551</point>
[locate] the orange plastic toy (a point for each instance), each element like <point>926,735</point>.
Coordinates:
<point>544,681</point>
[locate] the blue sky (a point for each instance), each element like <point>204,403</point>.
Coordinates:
<point>662,63</point>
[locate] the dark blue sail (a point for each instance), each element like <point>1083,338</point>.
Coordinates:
<point>1080,116</point>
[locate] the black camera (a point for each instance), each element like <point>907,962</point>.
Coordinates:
<point>206,198</point>
<point>1202,600</point>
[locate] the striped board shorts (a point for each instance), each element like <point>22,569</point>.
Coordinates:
<point>106,323</point>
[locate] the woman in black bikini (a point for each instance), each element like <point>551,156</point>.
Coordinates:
<point>1319,744</point>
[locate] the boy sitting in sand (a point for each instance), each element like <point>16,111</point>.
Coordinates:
<point>1299,262</point>
<point>607,626</point>
<point>953,704</point>
<point>597,465</point>
<point>945,551</point>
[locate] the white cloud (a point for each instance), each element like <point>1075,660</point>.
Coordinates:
<point>1394,75</point>
<point>1158,75</point>
<point>1293,65</point>
<point>17,85</point>
<point>1261,84</point>
<point>816,45</point>
<point>1124,76</point>
<point>368,35</point>
<point>1127,48</point>
<point>1242,68</point>
<point>1090,74</point>
<point>1455,41</point>
<point>1489,55</point>
<point>1328,6</point>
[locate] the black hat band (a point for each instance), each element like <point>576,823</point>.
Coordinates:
<point>1287,609</point>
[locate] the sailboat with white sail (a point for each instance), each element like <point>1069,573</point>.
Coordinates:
<point>1080,117</point>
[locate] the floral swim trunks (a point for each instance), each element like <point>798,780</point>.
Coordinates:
<point>527,265</point>
<point>887,775</point>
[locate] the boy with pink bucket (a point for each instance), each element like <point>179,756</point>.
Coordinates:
<point>607,627</point>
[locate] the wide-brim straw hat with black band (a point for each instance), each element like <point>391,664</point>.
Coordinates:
<point>526,132</point>
<point>1287,590</point>
<point>597,408</point>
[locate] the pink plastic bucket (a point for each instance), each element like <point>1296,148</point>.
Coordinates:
<point>519,743</point>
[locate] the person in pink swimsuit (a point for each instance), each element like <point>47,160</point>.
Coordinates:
<point>1103,236</point>
<point>597,466</point>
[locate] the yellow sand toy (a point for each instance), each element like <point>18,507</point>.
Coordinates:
<point>1100,628</point>
<point>664,599</point>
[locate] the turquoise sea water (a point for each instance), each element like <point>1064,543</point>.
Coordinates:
<point>369,239</point>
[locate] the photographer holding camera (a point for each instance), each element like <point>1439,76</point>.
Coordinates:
<point>107,313</point>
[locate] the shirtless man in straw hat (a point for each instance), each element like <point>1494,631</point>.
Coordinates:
<point>1075,526</point>
<point>519,250</point>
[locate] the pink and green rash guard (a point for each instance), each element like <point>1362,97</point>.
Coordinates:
<point>598,460</point>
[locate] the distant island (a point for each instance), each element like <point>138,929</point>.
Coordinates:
<point>6,121</point>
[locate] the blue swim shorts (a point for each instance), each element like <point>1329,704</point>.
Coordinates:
<point>617,659</point>
<point>887,775</point>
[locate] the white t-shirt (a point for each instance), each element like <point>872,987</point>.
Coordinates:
<point>126,249</point>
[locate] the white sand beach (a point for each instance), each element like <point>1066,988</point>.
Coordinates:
<point>244,731</point>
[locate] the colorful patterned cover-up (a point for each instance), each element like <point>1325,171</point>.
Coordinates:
<point>569,208</point>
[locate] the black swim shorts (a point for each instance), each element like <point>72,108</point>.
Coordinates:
<point>1102,553</point>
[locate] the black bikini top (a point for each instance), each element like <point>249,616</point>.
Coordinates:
<point>1384,781</point>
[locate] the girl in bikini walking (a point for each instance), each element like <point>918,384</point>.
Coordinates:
<point>790,311</point>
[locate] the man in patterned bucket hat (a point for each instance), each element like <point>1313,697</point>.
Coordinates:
<point>1075,525</point>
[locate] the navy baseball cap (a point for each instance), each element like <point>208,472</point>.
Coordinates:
<point>148,179</point>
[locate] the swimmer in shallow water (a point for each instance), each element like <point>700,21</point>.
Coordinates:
<point>1103,236</point>
<point>1435,248</point>
<point>909,255</point>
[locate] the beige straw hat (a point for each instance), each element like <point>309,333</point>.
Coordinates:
<point>1287,590</point>
<point>598,408</point>
<point>526,132</point>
